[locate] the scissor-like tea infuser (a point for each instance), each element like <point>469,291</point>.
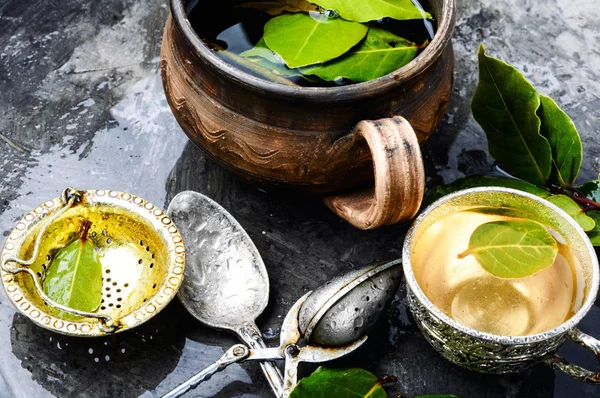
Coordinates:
<point>289,350</point>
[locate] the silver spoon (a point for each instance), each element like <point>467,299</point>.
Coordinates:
<point>226,285</point>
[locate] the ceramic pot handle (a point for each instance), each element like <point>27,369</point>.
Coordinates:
<point>577,371</point>
<point>399,176</point>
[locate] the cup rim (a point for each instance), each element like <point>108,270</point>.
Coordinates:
<point>501,339</point>
<point>322,94</point>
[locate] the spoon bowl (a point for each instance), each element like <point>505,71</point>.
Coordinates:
<point>226,283</point>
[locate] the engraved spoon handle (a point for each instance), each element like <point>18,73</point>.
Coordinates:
<point>235,354</point>
<point>252,336</point>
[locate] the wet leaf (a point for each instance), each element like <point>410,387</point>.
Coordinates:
<point>574,210</point>
<point>594,233</point>
<point>263,56</point>
<point>74,278</point>
<point>332,383</point>
<point>512,249</point>
<point>505,105</point>
<point>472,182</point>
<point>277,7</point>
<point>564,141</point>
<point>371,10</point>
<point>380,53</point>
<point>302,40</point>
<point>591,190</point>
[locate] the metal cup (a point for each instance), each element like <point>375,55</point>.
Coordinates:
<point>491,353</point>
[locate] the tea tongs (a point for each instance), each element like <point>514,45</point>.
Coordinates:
<point>289,350</point>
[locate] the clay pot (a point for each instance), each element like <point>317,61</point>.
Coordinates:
<point>332,141</point>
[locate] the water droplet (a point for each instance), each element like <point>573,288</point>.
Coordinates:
<point>331,14</point>
<point>230,264</point>
<point>359,321</point>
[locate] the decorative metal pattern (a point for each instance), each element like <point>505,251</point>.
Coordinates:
<point>477,352</point>
<point>142,292</point>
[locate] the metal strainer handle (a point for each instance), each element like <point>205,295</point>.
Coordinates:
<point>70,197</point>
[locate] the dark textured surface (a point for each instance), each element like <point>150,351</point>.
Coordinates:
<point>82,105</point>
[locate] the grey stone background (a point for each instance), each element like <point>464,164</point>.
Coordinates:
<point>81,105</point>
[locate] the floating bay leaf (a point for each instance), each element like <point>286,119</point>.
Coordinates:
<point>302,40</point>
<point>564,141</point>
<point>74,278</point>
<point>380,53</point>
<point>512,249</point>
<point>371,10</point>
<point>505,105</point>
<point>263,56</point>
<point>472,182</point>
<point>276,7</point>
<point>332,383</point>
<point>594,233</point>
<point>574,210</point>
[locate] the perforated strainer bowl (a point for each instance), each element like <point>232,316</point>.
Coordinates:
<point>140,248</point>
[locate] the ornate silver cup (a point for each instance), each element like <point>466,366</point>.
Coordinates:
<point>489,353</point>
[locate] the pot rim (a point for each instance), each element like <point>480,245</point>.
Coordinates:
<point>500,339</point>
<point>322,94</point>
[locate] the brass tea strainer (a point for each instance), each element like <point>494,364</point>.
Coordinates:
<point>140,249</point>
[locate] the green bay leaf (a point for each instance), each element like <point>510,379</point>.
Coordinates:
<point>74,278</point>
<point>505,105</point>
<point>483,181</point>
<point>574,210</point>
<point>371,10</point>
<point>331,383</point>
<point>380,53</point>
<point>264,57</point>
<point>512,249</point>
<point>302,40</point>
<point>594,233</point>
<point>564,141</point>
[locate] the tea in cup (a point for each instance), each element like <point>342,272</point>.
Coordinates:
<point>492,323</point>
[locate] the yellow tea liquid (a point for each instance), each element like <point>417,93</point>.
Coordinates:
<point>470,295</point>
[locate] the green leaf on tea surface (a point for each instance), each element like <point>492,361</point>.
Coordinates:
<point>276,7</point>
<point>302,40</point>
<point>574,210</point>
<point>472,182</point>
<point>505,105</point>
<point>263,56</point>
<point>512,249</point>
<point>372,10</point>
<point>331,383</point>
<point>74,279</point>
<point>380,53</point>
<point>594,233</point>
<point>591,190</point>
<point>564,141</point>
